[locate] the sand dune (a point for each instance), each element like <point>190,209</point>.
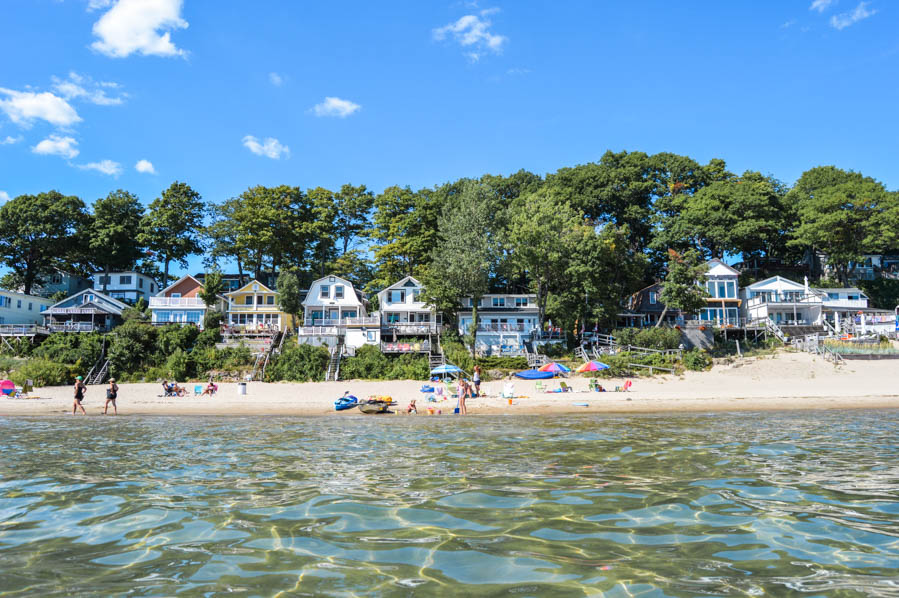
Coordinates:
<point>785,381</point>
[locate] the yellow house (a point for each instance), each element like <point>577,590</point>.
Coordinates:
<point>254,307</point>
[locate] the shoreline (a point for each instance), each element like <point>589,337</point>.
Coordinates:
<point>784,382</point>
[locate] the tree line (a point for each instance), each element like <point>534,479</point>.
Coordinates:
<point>581,238</point>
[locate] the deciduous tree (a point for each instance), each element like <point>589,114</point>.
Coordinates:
<point>173,226</point>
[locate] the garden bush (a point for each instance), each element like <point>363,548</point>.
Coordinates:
<point>131,349</point>
<point>71,348</point>
<point>44,373</point>
<point>697,360</point>
<point>495,362</point>
<point>173,338</point>
<point>652,338</point>
<point>299,363</point>
<point>370,364</point>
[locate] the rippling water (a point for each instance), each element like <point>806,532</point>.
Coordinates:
<point>721,505</point>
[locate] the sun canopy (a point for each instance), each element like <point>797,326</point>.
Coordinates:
<point>554,367</point>
<point>446,369</point>
<point>534,375</point>
<point>592,366</point>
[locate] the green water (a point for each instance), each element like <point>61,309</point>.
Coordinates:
<point>718,505</point>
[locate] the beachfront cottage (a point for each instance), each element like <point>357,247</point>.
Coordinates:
<point>644,308</point>
<point>335,314</point>
<point>87,311</point>
<point>506,322</point>
<point>408,323</point>
<point>127,287</point>
<point>723,302</point>
<point>254,308</point>
<point>782,301</point>
<point>59,282</point>
<point>180,303</point>
<point>234,281</point>
<point>22,309</point>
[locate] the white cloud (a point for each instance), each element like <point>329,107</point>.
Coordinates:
<point>105,166</point>
<point>843,20</point>
<point>145,166</point>
<point>54,145</point>
<point>134,26</point>
<point>276,79</point>
<point>270,148</point>
<point>83,87</point>
<point>518,71</point>
<point>335,107</point>
<point>98,4</point>
<point>4,197</point>
<point>24,107</point>
<point>788,24</point>
<point>473,33</point>
<point>821,5</point>
<point>9,140</point>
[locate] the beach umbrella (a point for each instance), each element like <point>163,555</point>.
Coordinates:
<point>554,367</point>
<point>7,386</point>
<point>447,368</point>
<point>592,366</point>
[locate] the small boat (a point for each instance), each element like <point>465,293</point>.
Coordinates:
<point>374,406</point>
<point>347,402</point>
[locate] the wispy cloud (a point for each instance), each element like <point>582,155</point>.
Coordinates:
<point>9,140</point>
<point>24,107</point>
<point>335,107</point>
<point>473,33</point>
<point>270,148</point>
<point>56,145</point>
<point>276,79</point>
<point>93,5</point>
<point>134,26</point>
<point>518,71</point>
<point>788,24</point>
<point>821,5</point>
<point>4,197</point>
<point>145,167</point>
<point>85,88</point>
<point>843,20</point>
<point>107,167</point>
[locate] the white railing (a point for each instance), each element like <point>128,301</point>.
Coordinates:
<point>358,321</point>
<point>804,299</point>
<point>317,331</point>
<point>76,327</point>
<point>411,327</point>
<point>259,308</point>
<point>22,329</point>
<point>177,302</point>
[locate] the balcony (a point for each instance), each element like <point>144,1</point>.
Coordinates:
<point>523,328</point>
<point>802,300</point>
<point>177,302</point>
<point>318,331</point>
<point>257,308</point>
<point>416,347</point>
<point>342,322</point>
<point>845,303</point>
<point>410,327</point>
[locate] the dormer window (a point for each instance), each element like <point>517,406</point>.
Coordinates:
<point>338,291</point>
<point>325,292</point>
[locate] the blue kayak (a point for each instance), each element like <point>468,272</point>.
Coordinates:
<point>347,402</point>
<point>534,375</point>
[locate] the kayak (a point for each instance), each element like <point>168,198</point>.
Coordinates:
<point>347,402</point>
<point>374,406</point>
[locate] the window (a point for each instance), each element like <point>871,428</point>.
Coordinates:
<point>5,301</point>
<point>722,293</point>
<point>175,295</point>
<point>248,300</point>
<point>833,295</point>
<point>416,293</point>
<point>348,314</point>
<point>152,288</point>
<point>396,297</point>
<point>163,316</point>
<point>104,280</point>
<point>56,279</point>
<point>125,279</point>
<point>372,336</point>
<point>325,292</point>
<point>499,302</point>
<point>259,299</point>
<point>393,318</point>
<point>653,297</point>
<point>30,306</point>
<point>731,289</point>
<point>87,298</point>
<point>194,316</point>
<point>270,300</point>
<point>140,283</point>
<point>18,304</point>
<point>338,291</point>
<point>521,301</point>
<point>853,297</point>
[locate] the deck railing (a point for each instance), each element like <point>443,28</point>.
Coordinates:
<point>177,302</point>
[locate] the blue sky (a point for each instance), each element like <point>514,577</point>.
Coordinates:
<point>229,94</point>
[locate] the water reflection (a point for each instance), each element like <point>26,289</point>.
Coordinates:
<point>734,505</point>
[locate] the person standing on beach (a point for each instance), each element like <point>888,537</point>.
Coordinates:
<point>477,380</point>
<point>80,389</point>
<point>111,394</point>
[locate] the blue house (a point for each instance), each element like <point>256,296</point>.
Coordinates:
<point>87,311</point>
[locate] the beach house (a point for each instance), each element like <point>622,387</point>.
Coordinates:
<point>506,322</point>
<point>127,287</point>
<point>180,303</point>
<point>86,311</point>
<point>335,313</point>
<point>21,309</point>
<point>782,301</point>
<point>254,308</point>
<point>408,323</point>
<point>59,281</point>
<point>723,301</point>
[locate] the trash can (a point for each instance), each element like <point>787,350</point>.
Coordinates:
<point>241,388</point>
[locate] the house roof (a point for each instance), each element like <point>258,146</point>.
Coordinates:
<point>402,283</point>
<point>838,289</point>
<point>328,279</point>
<point>777,279</point>
<point>249,286</point>
<point>715,262</point>
<point>115,302</point>
<point>177,282</point>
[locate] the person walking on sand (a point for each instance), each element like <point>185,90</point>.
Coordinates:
<point>477,380</point>
<point>464,393</point>
<point>80,389</point>
<point>111,394</point>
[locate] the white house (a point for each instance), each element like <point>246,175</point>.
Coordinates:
<point>783,301</point>
<point>505,322</point>
<point>127,287</point>
<point>18,308</point>
<point>180,303</point>
<point>334,311</point>
<point>407,320</point>
<point>724,294</point>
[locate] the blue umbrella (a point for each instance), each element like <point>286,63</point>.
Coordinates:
<point>447,368</point>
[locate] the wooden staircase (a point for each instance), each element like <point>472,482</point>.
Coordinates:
<point>264,357</point>
<point>98,373</point>
<point>333,373</point>
<point>436,356</point>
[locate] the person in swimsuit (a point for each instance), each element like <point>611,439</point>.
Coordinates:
<point>80,389</point>
<point>477,380</point>
<point>111,394</point>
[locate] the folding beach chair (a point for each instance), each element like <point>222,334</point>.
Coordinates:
<point>198,390</point>
<point>563,386</point>
<point>539,387</point>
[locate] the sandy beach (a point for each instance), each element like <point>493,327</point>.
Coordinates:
<point>784,381</point>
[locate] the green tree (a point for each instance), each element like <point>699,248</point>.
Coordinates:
<point>213,286</point>
<point>42,234</point>
<point>289,299</point>
<point>173,226</point>
<point>114,231</point>
<point>684,287</point>
<point>465,254</point>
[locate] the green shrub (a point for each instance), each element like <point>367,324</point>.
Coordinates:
<point>208,338</point>
<point>179,366</point>
<point>553,350</point>
<point>10,364</point>
<point>652,338</point>
<point>370,364</point>
<point>44,373</point>
<point>458,355</point>
<point>70,348</point>
<point>697,360</point>
<point>213,320</point>
<point>299,363</point>
<point>496,362</point>
<point>132,347</point>
<point>174,337</point>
